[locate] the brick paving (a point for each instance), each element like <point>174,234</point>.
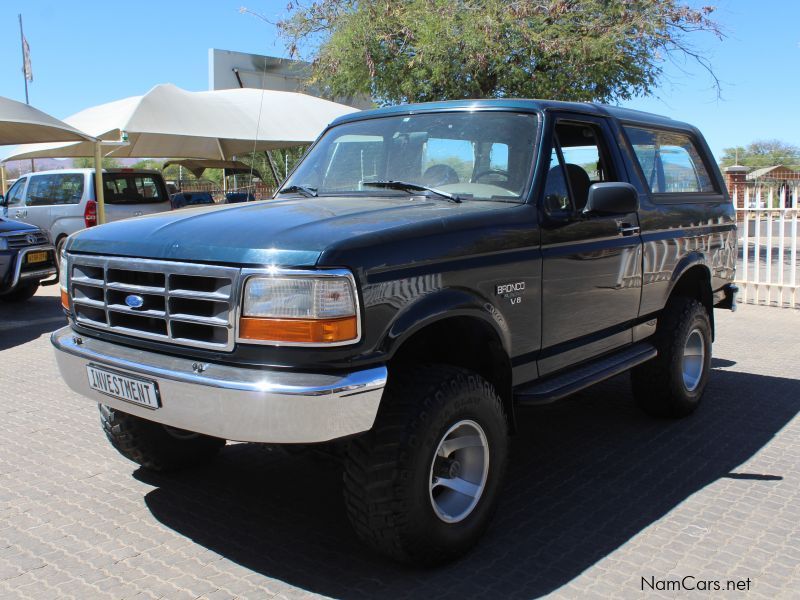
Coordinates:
<point>598,495</point>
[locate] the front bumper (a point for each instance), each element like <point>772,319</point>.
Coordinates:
<point>247,405</point>
<point>18,274</point>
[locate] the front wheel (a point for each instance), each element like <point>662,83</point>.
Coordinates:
<point>21,293</point>
<point>672,384</point>
<point>421,486</point>
<point>155,446</point>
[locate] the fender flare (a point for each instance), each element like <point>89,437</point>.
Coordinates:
<point>439,306</point>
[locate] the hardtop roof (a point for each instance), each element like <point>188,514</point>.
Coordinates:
<point>519,104</point>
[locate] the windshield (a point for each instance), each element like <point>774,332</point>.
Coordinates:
<point>475,155</point>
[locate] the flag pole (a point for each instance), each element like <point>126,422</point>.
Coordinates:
<point>24,71</point>
<point>22,45</point>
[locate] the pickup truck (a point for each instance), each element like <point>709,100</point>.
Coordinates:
<point>423,274</point>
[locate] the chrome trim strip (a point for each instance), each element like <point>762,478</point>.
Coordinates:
<point>243,404</point>
<point>316,273</point>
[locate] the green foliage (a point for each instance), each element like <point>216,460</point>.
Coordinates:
<point>86,162</point>
<point>762,153</point>
<point>424,50</point>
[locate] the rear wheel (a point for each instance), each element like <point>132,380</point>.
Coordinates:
<point>21,293</point>
<point>672,384</point>
<point>421,486</point>
<point>155,446</point>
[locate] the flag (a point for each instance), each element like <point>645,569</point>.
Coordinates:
<point>26,60</point>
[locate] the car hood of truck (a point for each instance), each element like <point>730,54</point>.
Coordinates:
<point>290,232</point>
<point>7,226</point>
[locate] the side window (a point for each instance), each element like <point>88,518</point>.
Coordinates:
<point>579,158</point>
<point>40,191</point>
<point>670,161</point>
<point>14,195</point>
<point>556,202</point>
<point>67,188</point>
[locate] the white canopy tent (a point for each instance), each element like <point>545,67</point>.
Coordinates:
<point>21,123</point>
<point>168,122</point>
<point>24,124</point>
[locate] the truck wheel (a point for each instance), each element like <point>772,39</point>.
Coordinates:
<point>156,446</point>
<point>21,293</point>
<point>672,384</point>
<point>421,486</point>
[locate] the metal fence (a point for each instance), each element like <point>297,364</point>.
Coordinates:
<point>767,272</point>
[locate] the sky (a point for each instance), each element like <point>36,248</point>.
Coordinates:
<point>92,51</point>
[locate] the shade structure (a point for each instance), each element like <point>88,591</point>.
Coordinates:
<point>169,122</point>
<point>198,166</point>
<point>22,124</point>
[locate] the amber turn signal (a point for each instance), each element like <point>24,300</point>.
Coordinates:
<point>304,331</point>
<point>64,299</point>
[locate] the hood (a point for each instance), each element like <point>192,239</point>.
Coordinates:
<point>7,226</point>
<point>291,232</point>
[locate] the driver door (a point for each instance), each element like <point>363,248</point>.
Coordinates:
<point>592,264</point>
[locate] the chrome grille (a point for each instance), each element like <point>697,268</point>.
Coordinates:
<point>30,238</point>
<point>181,303</point>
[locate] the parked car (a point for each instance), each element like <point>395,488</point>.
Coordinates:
<point>237,197</point>
<point>62,202</point>
<point>184,199</point>
<point>27,259</point>
<point>425,272</point>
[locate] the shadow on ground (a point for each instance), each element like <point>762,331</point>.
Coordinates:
<point>586,475</point>
<point>21,322</point>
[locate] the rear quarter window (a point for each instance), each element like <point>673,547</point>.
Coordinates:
<point>133,188</point>
<point>670,161</point>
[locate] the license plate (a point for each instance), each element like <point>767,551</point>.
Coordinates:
<point>36,257</point>
<point>143,392</point>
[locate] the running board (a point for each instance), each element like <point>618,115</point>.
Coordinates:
<point>556,387</point>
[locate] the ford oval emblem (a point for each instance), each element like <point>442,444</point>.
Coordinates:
<point>134,301</point>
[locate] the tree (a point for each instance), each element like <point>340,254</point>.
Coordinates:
<point>762,153</point>
<point>422,50</point>
<point>85,162</point>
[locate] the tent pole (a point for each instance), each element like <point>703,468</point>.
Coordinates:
<point>98,184</point>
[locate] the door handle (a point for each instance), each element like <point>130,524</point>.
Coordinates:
<point>627,229</point>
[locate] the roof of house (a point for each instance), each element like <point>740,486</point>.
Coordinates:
<point>764,171</point>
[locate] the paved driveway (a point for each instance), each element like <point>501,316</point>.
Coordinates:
<point>600,501</point>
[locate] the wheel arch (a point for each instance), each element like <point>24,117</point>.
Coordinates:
<point>453,329</point>
<point>692,279</point>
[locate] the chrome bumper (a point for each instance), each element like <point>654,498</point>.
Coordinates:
<point>247,405</point>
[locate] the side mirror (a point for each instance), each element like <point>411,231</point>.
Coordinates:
<point>612,198</point>
<point>2,200</point>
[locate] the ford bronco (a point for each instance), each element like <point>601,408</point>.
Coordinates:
<point>423,273</point>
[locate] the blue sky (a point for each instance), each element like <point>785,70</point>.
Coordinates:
<point>88,52</point>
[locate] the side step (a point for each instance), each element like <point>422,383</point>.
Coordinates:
<point>550,389</point>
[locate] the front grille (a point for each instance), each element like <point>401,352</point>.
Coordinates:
<point>23,240</point>
<point>181,303</point>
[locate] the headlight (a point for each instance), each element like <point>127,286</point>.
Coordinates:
<point>300,309</point>
<point>3,243</point>
<point>62,280</point>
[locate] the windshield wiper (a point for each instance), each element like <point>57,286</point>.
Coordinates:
<point>307,191</point>
<point>412,187</point>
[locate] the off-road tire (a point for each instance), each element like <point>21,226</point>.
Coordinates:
<point>658,385</point>
<point>151,445</point>
<point>388,469</point>
<point>21,293</point>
